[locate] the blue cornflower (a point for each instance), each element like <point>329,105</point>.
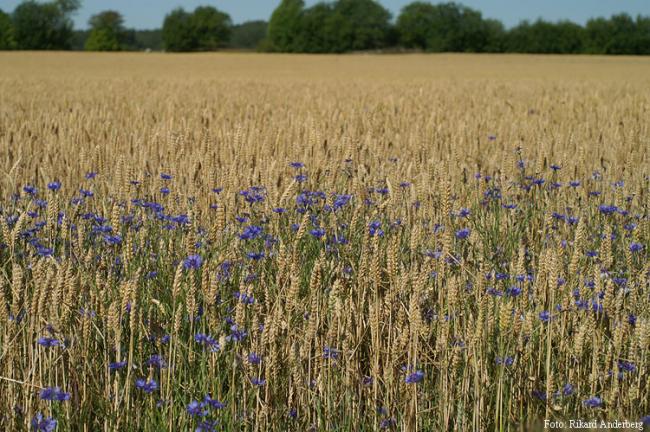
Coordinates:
<point>464,212</point>
<point>593,402</point>
<point>555,167</point>
<point>297,165</point>
<point>44,252</point>
<point>207,341</point>
<point>636,247</point>
<point>164,190</point>
<point>574,183</point>
<point>117,365</point>
<point>494,292</point>
<point>90,175</point>
<point>258,382</point>
<point>86,193</point>
<point>331,353</point>
<point>197,409</point>
<point>49,342</point>
<point>243,297</point>
<point>253,194</point>
<point>539,181</point>
<point>43,424</point>
<point>567,390</point>
<point>217,190</point>
<point>113,240</point>
<point>157,361</point>
<point>54,394</point>
<point>607,209</point>
<point>375,228</point>
<point>463,233</point>
<point>31,190</point>
<point>404,184</point>
<point>545,316</point>
<point>253,358</point>
<point>341,200</point>
<point>251,232</point>
<point>193,262</point>
<point>645,420</point>
<point>146,386</point>
<point>317,232</point>
<point>181,219</point>
<point>626,366</point>
<point>414,377</point>
<point>279,210</point>
<point>506,361</point>
<point>166,176</point>
<point>255,256</point>
<point>54,186</point>
<point>513,291</point>
<point>213,403</point>
<point>236,335</point>
<point>382,190</point>
<point>300,178</point>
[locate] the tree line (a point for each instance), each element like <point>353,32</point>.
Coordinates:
<point>327,27</point>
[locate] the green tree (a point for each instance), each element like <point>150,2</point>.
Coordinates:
<point>44,25</point>
<point>360,25</point>
<point>545,38</point>
<point>177,33</point>
<point>107,32</point>
<point>248,35</point>
<point>642,39</point>
<point>284,26</point>
<point>448,27</point>
<point>7,40</point>
<point>211,28</point>
<point>318,34</point>
<point>415,24</point>
<point>621,35</point>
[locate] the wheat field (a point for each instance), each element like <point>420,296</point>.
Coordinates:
<point>359,242</point>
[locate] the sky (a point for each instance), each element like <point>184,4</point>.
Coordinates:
<point>148,14</point>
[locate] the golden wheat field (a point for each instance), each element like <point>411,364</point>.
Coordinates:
<point>358,242</point>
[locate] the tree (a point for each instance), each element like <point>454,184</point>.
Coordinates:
<point>107,32</point>
<point>318,34</point>
<point>44,25</point>
<point>177,31</point>
<point>642,39</point>
<point>211,28</point>
<point>284,26</point>
<point>545,38</point>
<point>7,40</point>
<point>415,24</point>
<point>622,35</point>
<point>448,27</point>
<point>248,35</point>
<point>360,25</point>
<point>204,29</point>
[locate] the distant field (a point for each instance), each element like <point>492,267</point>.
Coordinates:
<point>354,242</point>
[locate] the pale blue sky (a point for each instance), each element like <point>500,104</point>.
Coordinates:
<point>150,13</point>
